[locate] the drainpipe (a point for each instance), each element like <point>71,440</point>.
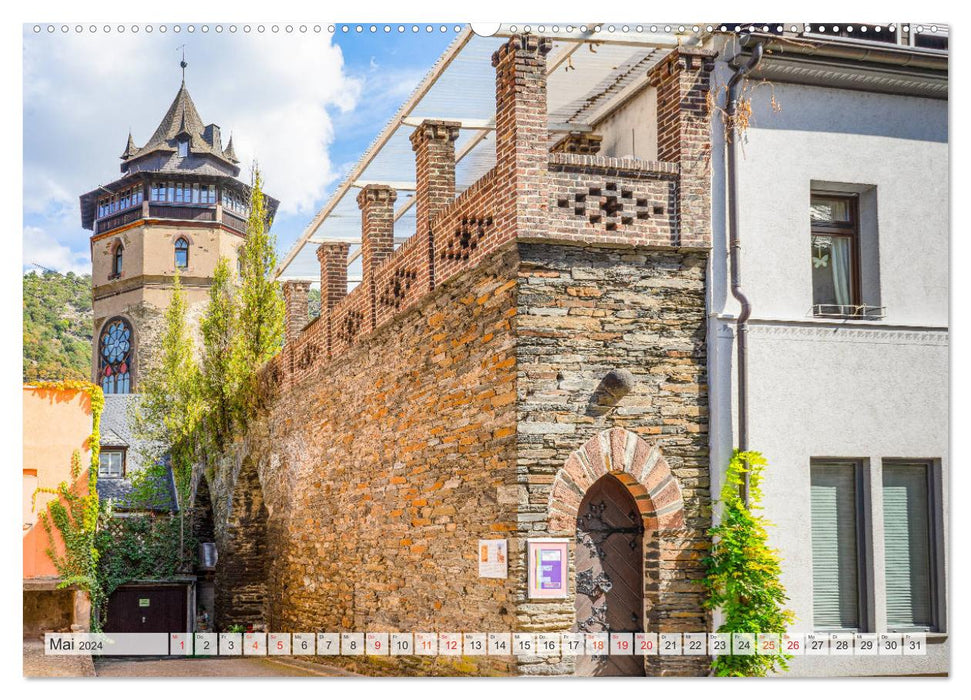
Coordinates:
<point>734,248</point>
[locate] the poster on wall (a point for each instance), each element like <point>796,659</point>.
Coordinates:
<point>493,559</point>
<point>548,560</point>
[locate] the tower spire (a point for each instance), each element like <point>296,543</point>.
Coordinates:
<point>182,63</point>
<point>130,149</point>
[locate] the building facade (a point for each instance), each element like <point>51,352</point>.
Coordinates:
<point>842,210</point>
<point>47,462</point>
<point>550,358</point>
<point>177,209</point>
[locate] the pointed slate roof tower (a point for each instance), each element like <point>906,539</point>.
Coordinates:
<point>130,149</point>
<point>182,147</point>
<point>182,123</point>
<point>230,152</point>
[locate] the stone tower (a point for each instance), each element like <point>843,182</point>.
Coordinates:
<point>177,207</point>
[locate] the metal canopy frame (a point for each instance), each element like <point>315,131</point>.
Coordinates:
<point>614,71</point>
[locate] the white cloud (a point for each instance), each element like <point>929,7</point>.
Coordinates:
<point>40,248</point>
<point>82,94</point>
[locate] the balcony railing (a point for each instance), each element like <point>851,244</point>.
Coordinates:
<point>164,210</point>
<point>860,311</point>
<point>119,219</point>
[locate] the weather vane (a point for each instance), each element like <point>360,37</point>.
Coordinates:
<point>182,63</point>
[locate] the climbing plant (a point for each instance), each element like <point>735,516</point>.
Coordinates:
<point>76,513</point>
<point>142,547</point>
<point>743,572</point>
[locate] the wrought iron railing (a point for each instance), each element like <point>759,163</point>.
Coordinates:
<point>861,311</point>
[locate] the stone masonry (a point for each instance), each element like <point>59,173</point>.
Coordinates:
<point>456,394</point>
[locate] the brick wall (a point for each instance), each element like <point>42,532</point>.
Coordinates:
<point>448,397</point>
<point>683,80</point>
<point>383,469</point>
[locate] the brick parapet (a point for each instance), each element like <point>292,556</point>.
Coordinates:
<point>534,194</point>
<point>683,80</point>
<point>296,297</point>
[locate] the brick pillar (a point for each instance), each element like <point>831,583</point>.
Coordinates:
<point>333,280</point>
<point>434,145</point>
<point>377,238</point>
<point>683,80</point>
<point>295,298</point>
<point>522,135</point>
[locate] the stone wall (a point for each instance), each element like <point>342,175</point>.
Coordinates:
<point>380,472</point>
<point>582,312</point>
<point>453,395</point>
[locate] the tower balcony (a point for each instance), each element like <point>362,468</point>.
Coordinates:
<point>214,213</point>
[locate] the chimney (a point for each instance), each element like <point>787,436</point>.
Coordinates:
<point>522,132</point>
<point>433,142</point>
<point>377,237</point>
<point>295,298</point>
<point>683,80</point>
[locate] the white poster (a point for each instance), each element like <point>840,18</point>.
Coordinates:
<point>493,559</point>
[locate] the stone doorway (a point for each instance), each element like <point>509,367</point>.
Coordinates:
<point>609,573</point>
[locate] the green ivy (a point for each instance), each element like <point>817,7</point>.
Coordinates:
<point>142,547</point>
<point>743,572</point>
<point>77,516</point>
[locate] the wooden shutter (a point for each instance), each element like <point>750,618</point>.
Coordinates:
<point>836,564</point>
<point>907,546</point>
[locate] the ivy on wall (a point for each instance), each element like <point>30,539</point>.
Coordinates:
<point>75,515</point>
<point>743,572</point>
<point>142,547</point>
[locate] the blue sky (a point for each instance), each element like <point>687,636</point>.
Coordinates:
<point>305,105</point>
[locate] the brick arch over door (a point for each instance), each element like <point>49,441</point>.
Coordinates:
<point>634,462</point>
<point>671,549</point>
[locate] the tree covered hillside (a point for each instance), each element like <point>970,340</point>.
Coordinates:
<point>57,326</point>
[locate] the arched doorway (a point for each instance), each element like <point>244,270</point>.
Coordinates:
<point>619,468</point>
<point>609,573</point>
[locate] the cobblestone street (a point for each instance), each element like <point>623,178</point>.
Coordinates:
<point>238,667</point>
<point>37,665</point>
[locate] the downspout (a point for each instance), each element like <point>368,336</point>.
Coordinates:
<point>734,248</point>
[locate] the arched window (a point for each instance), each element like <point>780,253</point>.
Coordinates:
<point>182,253</point>
<point>115,357</point>
<point>117,260</point>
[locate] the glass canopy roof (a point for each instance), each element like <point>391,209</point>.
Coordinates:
<point>589,74</point>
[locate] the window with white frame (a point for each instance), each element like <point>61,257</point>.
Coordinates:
<point>111,463</point>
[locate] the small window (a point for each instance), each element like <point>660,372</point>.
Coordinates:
<point>908,509</point>
<point>838,601</point>
<point>111,463</point>
<point>183,148</point>
<point>118,260</point>
<point>835,255</point>
<point>182,253</point>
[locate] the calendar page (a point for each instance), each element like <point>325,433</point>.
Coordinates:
<point>518,349</point>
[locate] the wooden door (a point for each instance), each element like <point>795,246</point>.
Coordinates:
<point>609,573</point>
<point>147,609</point>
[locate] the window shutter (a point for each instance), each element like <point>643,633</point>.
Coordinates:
<point>836,589</point>
<point>906,519</point>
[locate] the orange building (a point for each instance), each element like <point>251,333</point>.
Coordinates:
<point>57,422</point>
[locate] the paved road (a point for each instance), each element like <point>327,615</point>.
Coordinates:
<point>241,667</point>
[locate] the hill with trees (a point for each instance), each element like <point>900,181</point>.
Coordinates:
<point>57,326</point>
